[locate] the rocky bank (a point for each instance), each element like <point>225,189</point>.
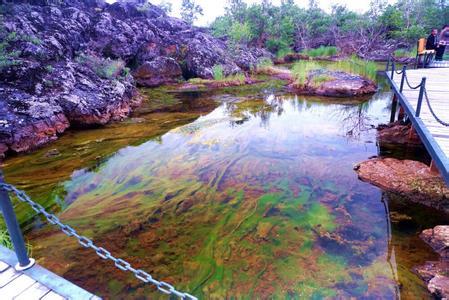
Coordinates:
<point>436,273</point>
<point>77,63</point>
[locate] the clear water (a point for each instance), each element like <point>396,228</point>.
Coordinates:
<point>229,195</point>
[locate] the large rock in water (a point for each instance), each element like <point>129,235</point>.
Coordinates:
<point>328,83</point>
<point>66,60</point>
<point>409,178</point>
<point>436,273</point>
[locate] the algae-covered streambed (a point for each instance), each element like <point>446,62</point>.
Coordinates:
<point>241,193</point>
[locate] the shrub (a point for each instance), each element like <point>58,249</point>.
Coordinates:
<point>321,51</point>
<point>283,52</point>
<point>218,72</point>
<point>6,242</point>
<point>104,68</point>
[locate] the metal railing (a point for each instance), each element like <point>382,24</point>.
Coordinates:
<point>25,262</point>
<point>422,90</point>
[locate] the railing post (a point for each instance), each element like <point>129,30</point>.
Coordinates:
<point>388,66</point>
<point>393,67</point>
<point>420,97</point>
<point>404,73</point>
<point>14,231</point>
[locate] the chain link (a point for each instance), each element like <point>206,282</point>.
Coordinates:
<point>121,264</point>
<point>432,111</point>
<point>409,85</point>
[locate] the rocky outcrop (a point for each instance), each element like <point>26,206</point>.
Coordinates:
<point>435,273</point>
<point>328,83</point>
<point>67,63</point>
<point>409,178</point>
<point>158,71</point>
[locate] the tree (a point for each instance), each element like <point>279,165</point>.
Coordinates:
<point>190,11</point>
<point>166,6</point>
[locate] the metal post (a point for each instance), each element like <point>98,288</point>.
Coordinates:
<point>394,106</point>
<point>14,231</point>
<point>393,67</point>
<point>420,97</point>
<point>404,73</point>
<point>388,65</point>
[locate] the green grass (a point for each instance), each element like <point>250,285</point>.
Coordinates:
<point>236,77</point>
<point>321,51</point>
<point>405,53</point>
<point>218,72</point>
<point>320,79</point>
<point>265,63</point>
<point>352,65</point>
<point>5,241</point>
<point>357,66</point>
<point>302,68</point>
<point>283,52</point>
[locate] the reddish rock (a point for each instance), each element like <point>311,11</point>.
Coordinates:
<point>439,286</point>
<point>397,133</point>
<point>438,239</point>
<point>406,177</point>
<point>160,71</point>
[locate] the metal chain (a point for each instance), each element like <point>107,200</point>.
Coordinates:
<point>121,264</point>
<point>409,85</point>
<point>432,111</point>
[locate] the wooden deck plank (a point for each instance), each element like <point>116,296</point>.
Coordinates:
<point>16,286</point>
<point>437,86</point>
<point>52,296</point>
<point>34,292</point>
<point>7,276</point>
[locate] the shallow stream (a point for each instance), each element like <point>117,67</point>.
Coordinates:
<point>242,193</point>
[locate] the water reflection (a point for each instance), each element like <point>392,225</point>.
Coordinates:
<point>253,198</point>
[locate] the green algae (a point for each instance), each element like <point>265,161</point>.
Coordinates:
<point>217,203</point>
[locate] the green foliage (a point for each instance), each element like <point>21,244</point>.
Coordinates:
<point>405,52</point>
<point>8,57</point>
<point>321,51</point>
<point>301,70</point>
<point>320,79</point>
<point>190,11</point>
<point>352,65</point>
<point>218,72</point>
<point>240,32</point>
<point>104,68</point>
<point>289,26</point>
<point>6,242</point>
<point>265,63</point>
<point>357,66</point>
<point>49,68</point>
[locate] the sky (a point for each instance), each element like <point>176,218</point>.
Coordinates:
<point>215,8</point>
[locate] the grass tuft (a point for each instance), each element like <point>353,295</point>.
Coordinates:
<point>104,68</point>
<point>322,51</point>
<point>218,72</point>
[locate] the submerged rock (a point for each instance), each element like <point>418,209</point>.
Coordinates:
<point>435,273</point>
<point>411,179</point>
<point>397,133</point>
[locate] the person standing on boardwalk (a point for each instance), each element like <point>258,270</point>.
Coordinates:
<point>444,40</point>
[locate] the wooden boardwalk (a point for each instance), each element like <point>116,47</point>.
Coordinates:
<point>35,283</point>
<point>434,135</point>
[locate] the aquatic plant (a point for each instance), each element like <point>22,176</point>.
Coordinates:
<point>302,68</point>
<point>401,53</point>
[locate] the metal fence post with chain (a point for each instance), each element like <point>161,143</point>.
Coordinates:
<point>121,264</point>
